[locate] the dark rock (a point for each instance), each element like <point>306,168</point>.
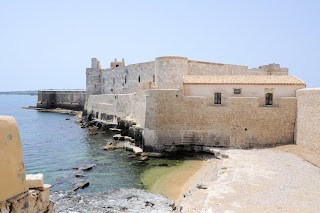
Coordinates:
<point>202,186</point>
<point>162,164</point>
<point>81,186</point>
<point>87,167</point>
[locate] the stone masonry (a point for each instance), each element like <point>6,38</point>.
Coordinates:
<point>163,101</point>
<point>308,118</point>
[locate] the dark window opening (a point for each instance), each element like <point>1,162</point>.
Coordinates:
<point>269,99</point>
<point>97,114</point>
<point>236,91</point>
<point>117,65</point>
<point>125,79</point>
<point>111,90</point>
<point>99,76</point>
<point>139,79</point>
<point>154,78</point>
<point>217,98</point>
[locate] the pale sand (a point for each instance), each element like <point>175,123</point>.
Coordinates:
<point>279,179</point>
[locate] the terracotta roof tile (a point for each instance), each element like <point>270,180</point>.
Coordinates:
<point>243,80</point>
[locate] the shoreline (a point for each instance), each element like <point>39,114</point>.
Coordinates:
<point>176,181</point>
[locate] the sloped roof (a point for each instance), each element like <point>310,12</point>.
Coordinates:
<point>243,80</point>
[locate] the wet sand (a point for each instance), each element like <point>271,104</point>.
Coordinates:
<point>173,181</point>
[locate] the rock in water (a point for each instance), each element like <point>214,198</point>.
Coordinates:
<point>87,167</point>
<point>81,186</point>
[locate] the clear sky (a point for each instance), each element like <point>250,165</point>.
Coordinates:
<point>48,44</point>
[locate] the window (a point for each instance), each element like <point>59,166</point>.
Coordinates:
<point>236,91</point>
<point>125,79</point>
<point>154,78</point>
<point>117,65</point>
<point>217,98</point>
<point>269,99</point>
<point>139,79</point>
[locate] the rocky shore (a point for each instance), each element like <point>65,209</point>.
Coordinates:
<point>122,200</point>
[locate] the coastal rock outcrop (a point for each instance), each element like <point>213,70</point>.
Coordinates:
<point>121,200</point>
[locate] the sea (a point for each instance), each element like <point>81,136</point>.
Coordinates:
<point>53,145</point>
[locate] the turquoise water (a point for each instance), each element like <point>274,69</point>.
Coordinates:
<point>53,145</point>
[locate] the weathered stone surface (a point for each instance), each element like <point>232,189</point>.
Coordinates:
<point>13,172</point>
<point>135,149</point>
<point>122,200</point>
<point>144,158</point>
<point>34,180</point>
<point>81,186</point>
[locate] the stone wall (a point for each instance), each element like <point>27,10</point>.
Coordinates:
<point>173,119</point>
<point>109,107</point>
<point>66,99</point>
<point>129,79</point>
<point>209,68</point>
<point>163,73</point>
<point>308,118</point>
<point>19,192</point>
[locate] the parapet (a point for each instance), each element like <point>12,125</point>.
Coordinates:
<point>19,192</point>
<point>117,63</point>
<point>274,69</point>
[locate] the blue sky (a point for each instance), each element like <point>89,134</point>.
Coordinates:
<point>48,44</point>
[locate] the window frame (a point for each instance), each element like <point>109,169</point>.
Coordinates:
<point>269,99</point>
<point>217,98</point>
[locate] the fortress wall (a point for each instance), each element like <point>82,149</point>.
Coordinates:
<point>208,68</point>
<point>169,71</point>
<point>308,118</point>
<point>126,79</point>
<point>72,99</point>
<point>109,107</point>
<point>172,118</point>
<point>93,81</point>
<point>208,90</point>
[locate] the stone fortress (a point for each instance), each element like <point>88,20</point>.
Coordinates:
<point>187,104</point>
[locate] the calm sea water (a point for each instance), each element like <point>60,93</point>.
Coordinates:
<point>53,145</point>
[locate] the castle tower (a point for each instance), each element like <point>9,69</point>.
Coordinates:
<point>169,71</point>
<point>114,64</point>
<point>93,78</point>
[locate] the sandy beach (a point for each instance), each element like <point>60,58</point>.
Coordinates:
<point>280,179</point>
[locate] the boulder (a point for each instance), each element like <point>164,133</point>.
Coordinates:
<point>87,167</point>
<point>144,158</point>
<point>34,181</point>
<point>81,186</point>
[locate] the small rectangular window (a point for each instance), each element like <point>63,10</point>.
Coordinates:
<point>217,98</point>
<point>269,99</point>
<point>236,91</point>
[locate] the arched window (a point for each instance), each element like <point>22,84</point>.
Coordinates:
<point>269,99</point>
<point>139,79</point>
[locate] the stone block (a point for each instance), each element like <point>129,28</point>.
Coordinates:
<point>34,181</point>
